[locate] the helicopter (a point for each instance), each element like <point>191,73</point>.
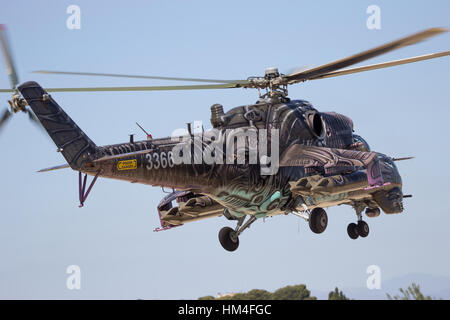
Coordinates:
<point>316,160</point>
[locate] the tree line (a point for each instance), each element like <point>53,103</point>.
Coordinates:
<point>300,292</point>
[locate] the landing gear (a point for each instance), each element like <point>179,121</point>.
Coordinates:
<point>83,194</point>
<point>318,220</point>
<point>229,237</point>
<point>361,229</point>
<point>358,230</point>
<point>352,231</point>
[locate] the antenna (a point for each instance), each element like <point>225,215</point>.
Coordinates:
<point>402,159</point>
<point>142,128</point>
<point>149,136</point>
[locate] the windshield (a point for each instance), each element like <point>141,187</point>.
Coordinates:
<point>364,146</point>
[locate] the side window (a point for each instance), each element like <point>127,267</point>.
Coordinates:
<point>364,146</point>
<point>388,161</point>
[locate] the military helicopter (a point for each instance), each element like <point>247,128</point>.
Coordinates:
<point>316,160</point>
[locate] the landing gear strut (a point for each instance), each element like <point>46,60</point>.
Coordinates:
<point>229,237</point>
<point>360,229</point>
<point>83,194</point>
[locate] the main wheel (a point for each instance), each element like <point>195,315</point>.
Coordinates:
<point>352,231</point>
<point>318,220</point>
<point>228,239</point>
<point>363,229</point>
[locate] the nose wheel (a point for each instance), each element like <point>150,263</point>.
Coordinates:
<point>360,229</point>
<point>363,229</point>
<point>352,231</point>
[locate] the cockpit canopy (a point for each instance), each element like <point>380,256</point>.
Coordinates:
<point>362,144</point>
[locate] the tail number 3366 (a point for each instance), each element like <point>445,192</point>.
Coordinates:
<point>159,160</point>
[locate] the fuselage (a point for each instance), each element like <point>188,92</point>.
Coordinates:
<point>241,188</point>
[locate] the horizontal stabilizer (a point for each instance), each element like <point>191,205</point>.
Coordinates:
<point>63,166</point>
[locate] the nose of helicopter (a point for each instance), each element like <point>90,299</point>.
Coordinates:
<point>389,199</point>
<point>389,170</point>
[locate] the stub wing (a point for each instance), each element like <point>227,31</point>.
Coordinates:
<point>181,207</point>
<point>337,164</point>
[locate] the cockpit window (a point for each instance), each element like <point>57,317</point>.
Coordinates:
<point>390,163</point>
<point>387,161</point>
<point>364,146</point>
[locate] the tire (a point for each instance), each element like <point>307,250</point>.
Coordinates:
<point>318,220</point>
<point>352,231</point>
<point>228,239</point>
<point>363,229</point>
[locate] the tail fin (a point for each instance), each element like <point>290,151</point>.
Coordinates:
<point>73,143</point>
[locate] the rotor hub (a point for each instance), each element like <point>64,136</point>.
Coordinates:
<point>17,103</point>
<point>271,73</point>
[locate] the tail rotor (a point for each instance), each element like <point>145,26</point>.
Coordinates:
<point>17,103</point>
<point>6,115</point>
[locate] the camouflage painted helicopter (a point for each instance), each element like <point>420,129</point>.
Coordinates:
<point>316,159</point>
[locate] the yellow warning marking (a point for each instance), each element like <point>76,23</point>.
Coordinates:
<point>127,165</point>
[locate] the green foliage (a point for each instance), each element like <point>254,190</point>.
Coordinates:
<point>337,295</point>
<point>258,294</point>
<point>411,293</point>
<point>297,292</point>
<point>300,292</point>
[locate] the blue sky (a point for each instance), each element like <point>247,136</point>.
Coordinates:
<point>400,111</point>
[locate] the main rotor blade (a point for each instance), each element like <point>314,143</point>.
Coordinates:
<point>11,70</point>
<point>5,116</point>
<point>154,88</point>
<point>151,88</point>
<point>382,65</point>
<point>357,58</point>
<point>138,76</point>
